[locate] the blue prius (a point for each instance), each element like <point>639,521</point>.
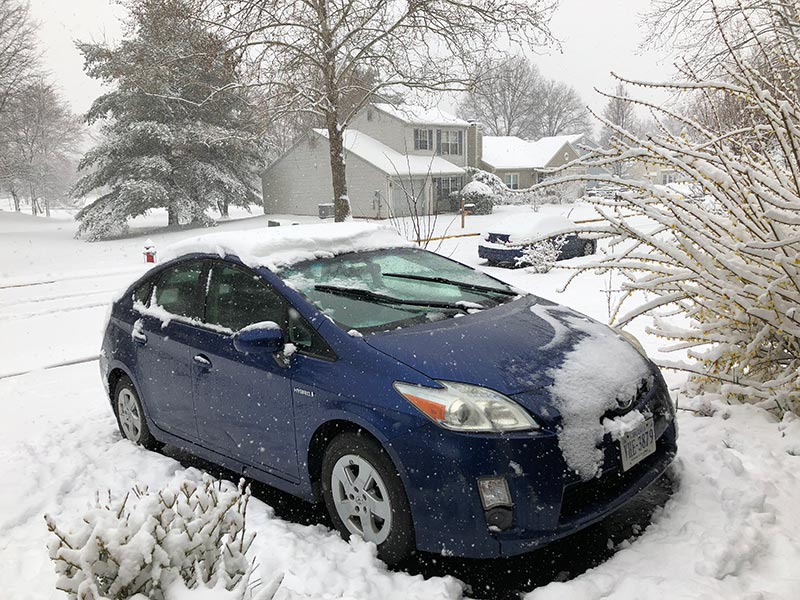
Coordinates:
<point>427,404</point>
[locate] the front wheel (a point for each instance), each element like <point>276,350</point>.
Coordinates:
<point>130,416</point>
<point>365,496</point>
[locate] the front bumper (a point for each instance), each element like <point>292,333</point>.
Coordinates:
<point>441,469</point>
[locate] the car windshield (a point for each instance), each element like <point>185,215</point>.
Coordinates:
<point>387,289</point>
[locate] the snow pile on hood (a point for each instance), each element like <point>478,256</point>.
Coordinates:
<point>600,369</point>
<point>279,247</point>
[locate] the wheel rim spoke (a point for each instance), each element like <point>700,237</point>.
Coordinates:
<point>361,498</point>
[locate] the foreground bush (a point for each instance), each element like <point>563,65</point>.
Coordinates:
<point>721,277</point>
<point>168,544</point>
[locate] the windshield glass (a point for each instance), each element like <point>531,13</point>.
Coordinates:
<point>386,289</point>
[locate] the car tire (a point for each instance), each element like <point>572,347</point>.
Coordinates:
<point>130,416</point>
<point>588,248</point>
<point>378,512</point>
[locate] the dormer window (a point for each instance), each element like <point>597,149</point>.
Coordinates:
<point>423,139</point>
<point>449,142</point>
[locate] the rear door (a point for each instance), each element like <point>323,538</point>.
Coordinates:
<point>164,335</point>
<point>243,401</point>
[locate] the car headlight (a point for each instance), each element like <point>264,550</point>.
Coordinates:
<point>464,407</point>
<point>631,339</point>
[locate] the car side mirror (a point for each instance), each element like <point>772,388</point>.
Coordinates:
<point>265,337</point>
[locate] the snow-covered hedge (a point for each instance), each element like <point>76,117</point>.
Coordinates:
<point>721,278</point>
<point>181,542</point>
<point>480,196</point>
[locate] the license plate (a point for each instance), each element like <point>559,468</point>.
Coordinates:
<point>637,444</point>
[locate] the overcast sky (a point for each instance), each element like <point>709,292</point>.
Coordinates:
<point>598,36</point>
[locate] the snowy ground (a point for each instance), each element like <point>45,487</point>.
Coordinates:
<point>729,531</point>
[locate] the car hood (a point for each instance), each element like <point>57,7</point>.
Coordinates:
<point>513,348</point>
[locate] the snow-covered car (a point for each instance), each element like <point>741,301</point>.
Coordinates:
<point>510,247</point>
<point>337,362</point>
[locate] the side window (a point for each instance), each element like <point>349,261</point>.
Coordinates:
<point>306,338</point>
<point>238,298</point>
<point>177,290</point>
<point>143,293</point>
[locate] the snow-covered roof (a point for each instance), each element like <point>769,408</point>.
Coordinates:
<point>391,161</point>
<point>279,247</point>
<point>414,114</point>
<point>512,152</point>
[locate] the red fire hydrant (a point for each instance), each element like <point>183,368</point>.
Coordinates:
<point>149,252</point>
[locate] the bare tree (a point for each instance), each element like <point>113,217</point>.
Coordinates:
<point>511,97</point>
<point>506,98</point>
<point>562,110</point>
<point>42,134</point>
<point>18,55</point>
<point>18,61</point>
<point>620,119</point>
<point>306,52</point>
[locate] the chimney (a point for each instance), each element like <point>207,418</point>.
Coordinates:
<point>474,145</point>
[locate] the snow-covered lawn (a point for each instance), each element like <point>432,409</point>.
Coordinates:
<point>729,531</point>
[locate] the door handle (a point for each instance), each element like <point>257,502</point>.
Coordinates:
<point>201,360</point>
<point>139,337</point>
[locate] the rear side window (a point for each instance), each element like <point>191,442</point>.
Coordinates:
<point>177,290</point>
<point>238,298</point>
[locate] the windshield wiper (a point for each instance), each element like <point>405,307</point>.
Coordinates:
<point>475,287</point>
<point>359,294</point>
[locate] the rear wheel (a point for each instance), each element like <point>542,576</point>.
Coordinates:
<point>130,416</point>
<point>365,496</point>
<point>588,248</point>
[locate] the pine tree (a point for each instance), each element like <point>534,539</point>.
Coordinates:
<point>179,132</point>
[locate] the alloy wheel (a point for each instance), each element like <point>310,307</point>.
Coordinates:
<point>130,416</point>
<point>361,498</point>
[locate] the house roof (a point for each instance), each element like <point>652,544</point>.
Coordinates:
<point>512,152</point>
<point>414,114</point>
<point>391,161</point>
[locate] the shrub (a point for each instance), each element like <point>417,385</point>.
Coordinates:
<point>542,255</point>
<point>480,195</point>
<point>158,545</point>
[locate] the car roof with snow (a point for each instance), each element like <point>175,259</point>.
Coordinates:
<point>279,247</point>
<point>524,231</point>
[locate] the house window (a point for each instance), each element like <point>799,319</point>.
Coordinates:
<point>423,139</point>
<point>449,142</point>
<point>445,186</point>
<point>511,180</point>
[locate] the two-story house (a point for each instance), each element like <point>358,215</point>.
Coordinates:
<point>399,159</point>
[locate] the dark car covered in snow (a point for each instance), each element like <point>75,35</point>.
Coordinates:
<point>509,248</point>
<point>428,405</point>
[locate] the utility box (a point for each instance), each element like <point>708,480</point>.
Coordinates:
<point>327,210</point>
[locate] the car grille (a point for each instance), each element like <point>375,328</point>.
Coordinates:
<point>584,497</point>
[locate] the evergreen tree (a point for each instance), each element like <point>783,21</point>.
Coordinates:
<point>179,132</point>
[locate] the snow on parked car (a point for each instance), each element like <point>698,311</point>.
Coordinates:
<point>367,364</point>
<point>508,246</point>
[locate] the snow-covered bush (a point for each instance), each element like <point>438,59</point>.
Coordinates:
<point>730,266</point>
<point>161,545</point>
<point>489,179</point>
<point>542,255</point>
<point>480,196</point>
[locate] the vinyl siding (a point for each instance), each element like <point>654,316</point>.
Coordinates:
<point>301,180</point>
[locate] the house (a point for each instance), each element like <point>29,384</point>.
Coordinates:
<point>523,163</point>
<point>397,157</point>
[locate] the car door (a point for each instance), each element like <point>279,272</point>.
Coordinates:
<point>164,335</point>
<point>243,402</point>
